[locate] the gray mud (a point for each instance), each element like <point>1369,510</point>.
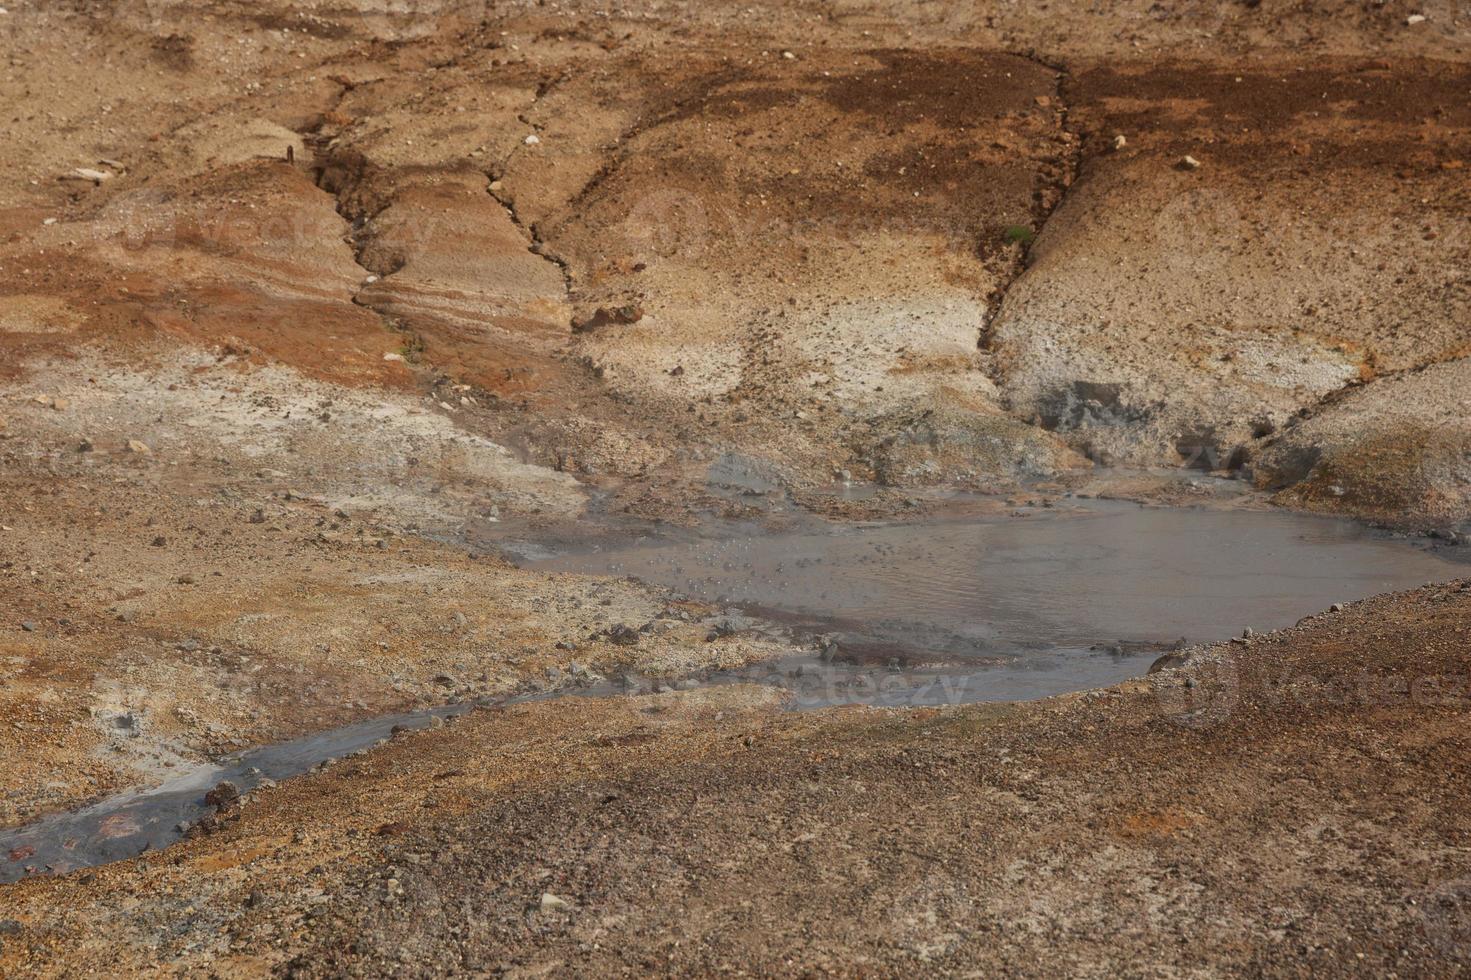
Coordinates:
<point>1041,601</point>
<point>939,612</point>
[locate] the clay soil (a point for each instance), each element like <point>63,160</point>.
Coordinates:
<point>301,302</point>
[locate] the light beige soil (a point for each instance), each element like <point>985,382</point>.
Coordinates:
<point>296,300</point>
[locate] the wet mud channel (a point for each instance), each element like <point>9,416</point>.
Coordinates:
<point>937,611</point>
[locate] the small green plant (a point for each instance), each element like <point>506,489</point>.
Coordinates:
<point>1020,233</point>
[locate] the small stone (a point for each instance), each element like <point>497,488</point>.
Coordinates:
<point>28,626</point>
<point>623,636</point>
<point>85,446</point>
<point>1248,633</point>
<point>605,315</point>
<point>141,448</point>
<point>391,356</point>
<point>788,56</point>
<point>550,902</point>
<point>1414,19</point>
<point>1336,607</point>
<point>1188,162</point>
<point>1119,142</point>
<point>223,795</point>
<point>532,140</point>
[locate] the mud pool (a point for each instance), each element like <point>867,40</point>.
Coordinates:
<point>1036,602</point>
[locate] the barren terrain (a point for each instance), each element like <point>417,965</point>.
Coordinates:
<point>303,305</point>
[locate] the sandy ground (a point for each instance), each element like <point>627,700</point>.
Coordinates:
<point>298,300</point>
<point>1289,805</point>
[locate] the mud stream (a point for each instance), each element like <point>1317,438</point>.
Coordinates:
<point>942,611</point>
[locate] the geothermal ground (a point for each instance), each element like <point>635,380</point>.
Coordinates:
<point>360,358</point>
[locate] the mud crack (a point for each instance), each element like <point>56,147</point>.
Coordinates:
<point>1048,195</point>
<point>536,245</point>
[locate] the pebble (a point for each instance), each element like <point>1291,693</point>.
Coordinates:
<point>532,140</point>
<point>28,626</point>
<point>1188,162</point>
<point>1119,142</point>
<point>224,794</point>
<point>550,902</point>
<point>1414,19</point>
<point>135,446</point>
<point>1336,607</point>
<point>624,636</point>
